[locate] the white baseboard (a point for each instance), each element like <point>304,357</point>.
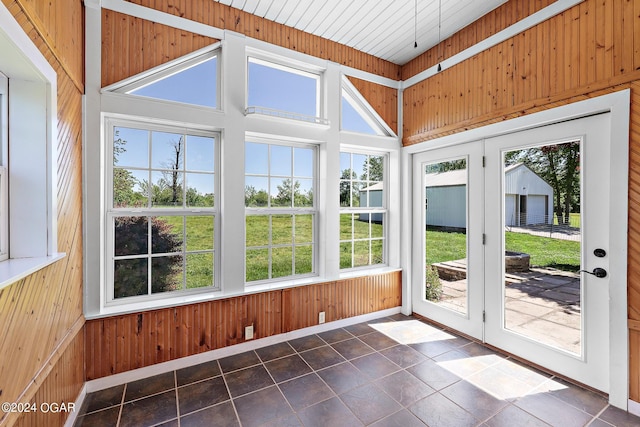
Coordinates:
<point>183,362</point>
<point>71,419</point>
<point>633,407</point>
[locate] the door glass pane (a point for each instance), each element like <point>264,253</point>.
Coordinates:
<point>542,238</point>
<point>446,234</point>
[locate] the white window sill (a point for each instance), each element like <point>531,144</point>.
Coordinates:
<point>15,269</point>
<point>155,304</point>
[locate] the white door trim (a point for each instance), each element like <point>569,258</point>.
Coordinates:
<point>618,103</point>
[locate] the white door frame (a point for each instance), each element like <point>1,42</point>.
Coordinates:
<point>469,322</point>
<point>618,104</point>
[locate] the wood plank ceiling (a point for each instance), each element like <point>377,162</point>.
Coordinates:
<point>386,29</point>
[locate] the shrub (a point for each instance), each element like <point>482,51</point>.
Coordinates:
<point>130,275</point>
<point>433,286</point>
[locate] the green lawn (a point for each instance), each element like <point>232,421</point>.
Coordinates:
<point>545,252</point>
<point>574,220</point>
<point>361,244</point>
<point>288,235</point>
<point>359,253</point>
<point>199,237</point>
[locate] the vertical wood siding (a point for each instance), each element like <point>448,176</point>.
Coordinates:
<point>493,22</point>
<point>589,47</point>
<point>589,50</point>
<point>222,16</point>
<point>132,45</point>
<point>121,343</point>
<point>41,339</point>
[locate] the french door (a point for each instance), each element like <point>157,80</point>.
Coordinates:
<point>511,244</point>
<point>448,224</point>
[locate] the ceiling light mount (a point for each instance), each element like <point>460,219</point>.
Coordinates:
<point>439,33</point>
<point>415,25</point>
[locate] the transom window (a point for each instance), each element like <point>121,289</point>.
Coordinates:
<point>282,91</point>
<point>190,81</point>
<point>362,210</point>
<point>280,210</point>
<point>163,210</point>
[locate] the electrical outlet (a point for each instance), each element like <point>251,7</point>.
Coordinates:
<point>248,332</point>
<point>321,317</point>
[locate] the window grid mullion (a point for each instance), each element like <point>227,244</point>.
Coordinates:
<point>149,253</point>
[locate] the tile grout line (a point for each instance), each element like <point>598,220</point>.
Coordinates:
<point>175,384</point>
<point>231,399</point>
<point>124,393</point>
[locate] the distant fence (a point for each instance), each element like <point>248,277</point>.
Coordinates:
<point>543,226</point>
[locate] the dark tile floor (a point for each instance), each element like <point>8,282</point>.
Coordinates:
<point>394,371</point>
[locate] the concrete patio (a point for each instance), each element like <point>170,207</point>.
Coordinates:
<point>543,304</point>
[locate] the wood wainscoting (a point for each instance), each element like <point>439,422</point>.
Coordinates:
<point>130,341</point>
<point>41,339</point>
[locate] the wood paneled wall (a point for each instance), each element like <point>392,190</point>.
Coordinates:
<point>222,16</point>
<point>589,50</point>
<point>121,343</point>
<point>41,315</point>
<point>340,300</point>
<point>383,99</point>
<point>493,22</point>
<point>132,45</point>
<point>591,46</point>
<point>61,386</point>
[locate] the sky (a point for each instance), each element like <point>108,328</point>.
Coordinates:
<point>267,87</point>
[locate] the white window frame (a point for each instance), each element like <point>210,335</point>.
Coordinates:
<point>128,85</point>
<point>270,211</point>
<point>290,66</point>
<point>112,212</point>
<point>362,107</point>
<point>4,173</point>
<point>370,211</point>
<point>31,174</point>
<point>235,127</point>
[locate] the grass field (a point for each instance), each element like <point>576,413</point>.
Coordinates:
<point>361,244</point>
<point>287,235</point>
<point>359,253</point>
<point>545,252</point>
<point>574,220</point>
<point>199,237</point>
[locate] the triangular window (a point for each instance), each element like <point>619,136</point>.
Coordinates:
<point>189,80</point>
<point>357,115</point>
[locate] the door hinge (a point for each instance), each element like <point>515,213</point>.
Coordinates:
<point>484,316</point>
<point>484,239</point>
<point>484,161</point>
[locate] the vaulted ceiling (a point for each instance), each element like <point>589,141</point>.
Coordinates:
<point>383,28</point>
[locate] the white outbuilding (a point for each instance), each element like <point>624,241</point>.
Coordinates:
<point>528,198</point>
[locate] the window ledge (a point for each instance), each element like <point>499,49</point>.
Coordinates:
<point>366,271</point>
<point>179,300</point>
<point>15,269</point>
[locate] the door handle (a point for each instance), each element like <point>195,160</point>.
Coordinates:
<point>598,272</point>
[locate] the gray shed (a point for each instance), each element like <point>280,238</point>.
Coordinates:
<point>528,198</point>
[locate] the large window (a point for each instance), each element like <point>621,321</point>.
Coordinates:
<point>362,210</point>
<point>280,210</point>
<point>162,215</point>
